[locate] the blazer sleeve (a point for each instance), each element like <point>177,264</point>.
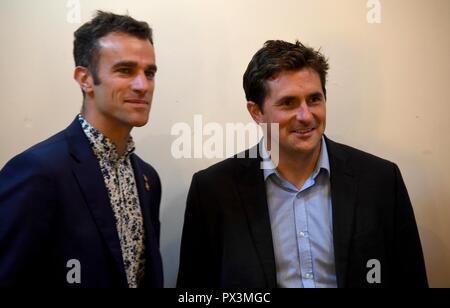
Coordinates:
<point>409,261</point>
<point>26,201</point>
<point>196,268</point>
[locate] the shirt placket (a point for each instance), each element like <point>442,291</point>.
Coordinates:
<point>128,222</point>
<point>303,240</point>
<point>119,210</point>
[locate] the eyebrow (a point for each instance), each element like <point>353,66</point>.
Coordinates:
<point>293,98</point>
<point>132,64</point>
<point>286,98</point>
<point>316,94</point>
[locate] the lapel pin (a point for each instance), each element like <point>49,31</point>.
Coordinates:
<point>147,185</point>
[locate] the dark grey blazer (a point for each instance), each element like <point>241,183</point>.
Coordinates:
<point>227,240</point>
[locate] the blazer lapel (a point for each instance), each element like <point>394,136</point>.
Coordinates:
<point>343,197</point>
<point>147,198</point>
<point>87,172</point>
<point>251,186</point>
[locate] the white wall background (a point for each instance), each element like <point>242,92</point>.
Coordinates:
<point>387,87</point>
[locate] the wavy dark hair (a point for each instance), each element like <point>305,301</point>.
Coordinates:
<point>277,56</point>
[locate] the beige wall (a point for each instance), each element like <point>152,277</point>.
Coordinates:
<point>387,87</point>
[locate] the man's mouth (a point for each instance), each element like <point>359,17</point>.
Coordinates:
<point>136,101</point>
<point>304,131</point>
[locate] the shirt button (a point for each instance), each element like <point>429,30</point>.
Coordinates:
<point>309,276</point>
<point>298,196</point>
<point>302,234</point>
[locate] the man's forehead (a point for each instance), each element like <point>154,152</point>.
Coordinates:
<point>122,41</point>
<point>304,82</point>
<point>305,72</point>
<point>125,47</point>
<point>299,78</point>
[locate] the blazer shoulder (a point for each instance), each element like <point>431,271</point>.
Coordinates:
<point>357,157</point>
<point>46,153</point>
<point>357,154</point>
<point>227,167</point>
<point>222,167</point>
<point>32,176</point>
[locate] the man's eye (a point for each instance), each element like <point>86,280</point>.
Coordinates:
<point>315,99</point>
<point>126,71</point>
<point>286,102</point>
<point>150,74</point>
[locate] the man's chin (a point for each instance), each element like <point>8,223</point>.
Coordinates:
<point>139,123</point>
<point>303,147</point>
<point>138,120</point>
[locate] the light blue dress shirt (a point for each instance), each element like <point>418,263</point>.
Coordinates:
<point>302,227</point>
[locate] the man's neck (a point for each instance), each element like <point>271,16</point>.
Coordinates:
<point>297,168</point>
<point>118,134</point>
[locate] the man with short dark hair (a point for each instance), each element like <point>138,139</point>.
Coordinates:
<point>327,215</point>
<point>80,209</point>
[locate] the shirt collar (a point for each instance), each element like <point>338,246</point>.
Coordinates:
<point>322,163</point>
<point>101,145</point>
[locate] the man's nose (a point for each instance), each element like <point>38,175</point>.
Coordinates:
<point>304,113</point>
<point>141,83</point>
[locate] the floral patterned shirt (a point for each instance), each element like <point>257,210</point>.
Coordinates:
<point>121,186</point>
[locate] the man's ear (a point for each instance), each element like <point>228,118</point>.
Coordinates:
<point>255,111</point>
<point>84,79</point>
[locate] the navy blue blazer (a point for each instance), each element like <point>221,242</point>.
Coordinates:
<point>54,207</point>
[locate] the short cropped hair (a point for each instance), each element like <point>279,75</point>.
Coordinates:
<point>86,48</point>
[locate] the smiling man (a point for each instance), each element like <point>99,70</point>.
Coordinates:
<point>327,215</point>
<point>80,209</point>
